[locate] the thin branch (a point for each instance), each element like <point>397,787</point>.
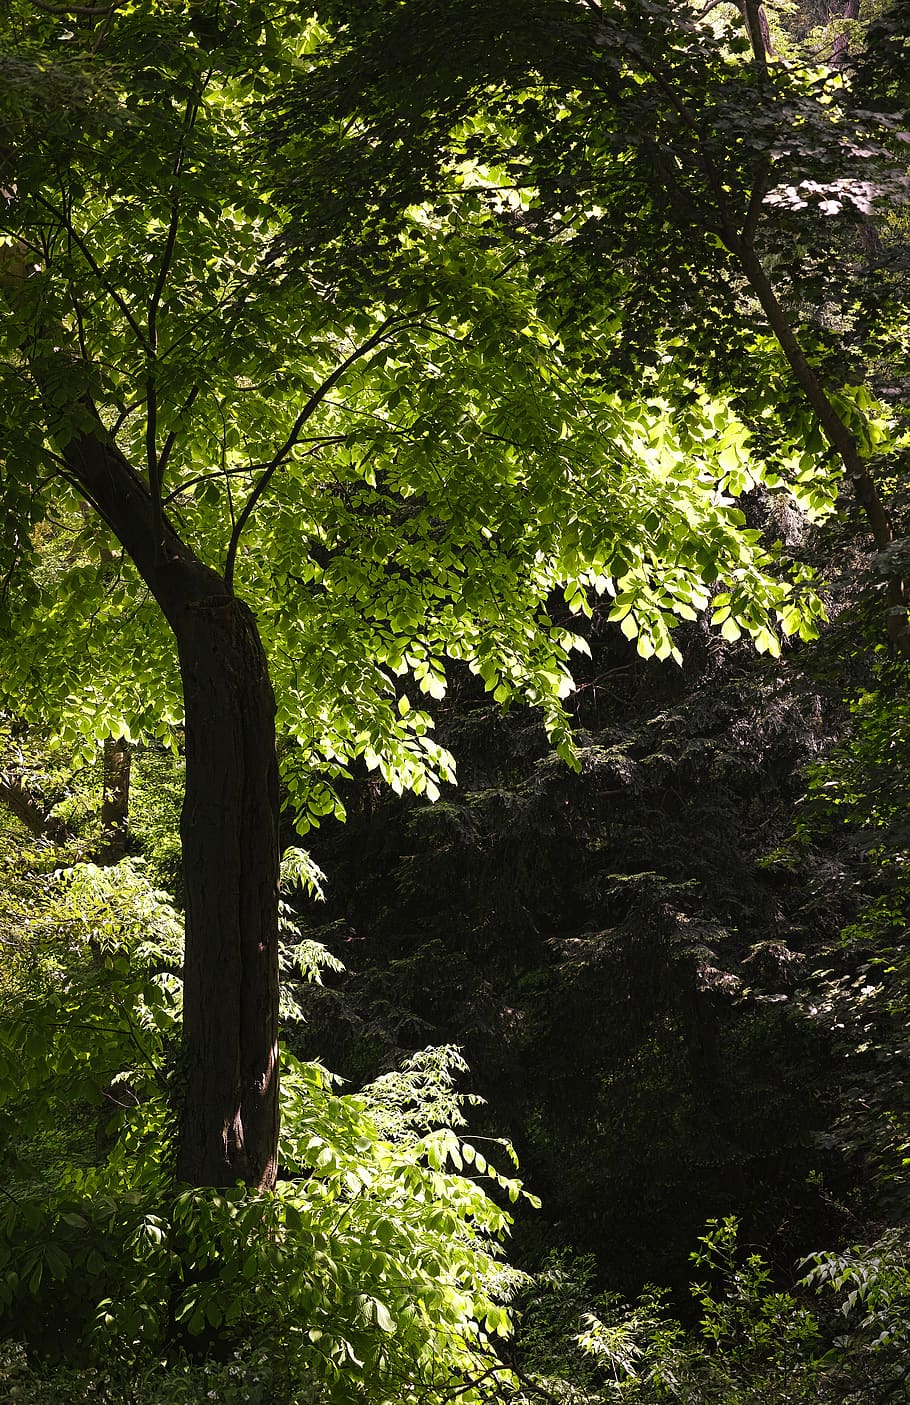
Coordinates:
<point>23,245</point>
<point>172,437</point>
<point>756,199</point>
<point>103,28</point>
<point>238,291</point>
<point>95,267</point>
<point>530,1384</point>
<point>389,327</point>
<point>151,452</point>
<point>226,475</point>
<point>61,470</point>
<point>223,470</point>
<point>320,440</point>
<point>154,464</point>
<point>189,119</point>
<point>688,116</point>
<point>124,415</point>
<point>472,1384</point>
<point>207,477</point>
<point>82,11</point>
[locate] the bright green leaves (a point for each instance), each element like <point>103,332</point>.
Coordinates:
<point>371,1263</point>
<point>81,1055</point>
<point>85,651</point>
<point>682,535</point>
<point>374,1269</point>
<point>442,442</point>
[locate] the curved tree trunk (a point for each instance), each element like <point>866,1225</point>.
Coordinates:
<point>31,809</point>
<point>229,1116</point>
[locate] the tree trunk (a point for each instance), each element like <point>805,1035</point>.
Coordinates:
<point>229,828</point>
<point>31,810</point>
<point>833,427</point>
<point>840,54</point>
<point>115,800</point>
<point>753,13</point>
<point>229,1116</point>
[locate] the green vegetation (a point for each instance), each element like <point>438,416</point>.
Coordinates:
<point>515,386</point>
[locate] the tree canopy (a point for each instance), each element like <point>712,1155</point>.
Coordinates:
<point>355,451</point>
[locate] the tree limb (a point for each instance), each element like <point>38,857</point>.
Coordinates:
<point>30,811</point>
<point>759,35</point>
<point>81,11</point>
<point>759,191</point>
<point>155,464</point>
<point>389,327</point>
<point>95,267</point>
<point>172,437</point>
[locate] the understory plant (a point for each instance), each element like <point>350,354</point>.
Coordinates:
<point>373,1271</point>
<point>838,1335</point>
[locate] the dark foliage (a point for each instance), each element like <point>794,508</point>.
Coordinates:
<point>623,953</point>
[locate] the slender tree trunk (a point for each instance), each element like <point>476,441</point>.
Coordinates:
<point>757,25</point>
<point>116,767</point>
<point>836,432</point>
<point>839,436</point>
<point>115,800</point>
<point>840,53</point>
<point>229,1117</point>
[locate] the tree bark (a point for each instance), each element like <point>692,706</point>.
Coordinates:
<point>832,426</point>
<point>229,828</point>
<point>840,53</point>
<point>837,433</point>
<point>753,13</point>
<point>115,800</point>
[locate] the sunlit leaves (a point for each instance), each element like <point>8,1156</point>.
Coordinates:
<point>375,1265</point>
<point>481,459</point>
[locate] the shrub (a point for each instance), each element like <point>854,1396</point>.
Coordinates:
<point>371,1272</point>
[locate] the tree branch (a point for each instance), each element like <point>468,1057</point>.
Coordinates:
<point>759,38</point>
<point>838,435</point>
<point>171,440</point>
<point>759,191</point>
<point>29,810</point>
<point>81,11</point>
<point>389,327</point>
<point>155,464</point>
<point>95,267</point>
<point>211,475</point>
<point>833,427</point>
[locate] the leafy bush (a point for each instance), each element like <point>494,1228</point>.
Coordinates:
<point>840,1335</point>
<point>871,1286</point>
<point>371,1272</point>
